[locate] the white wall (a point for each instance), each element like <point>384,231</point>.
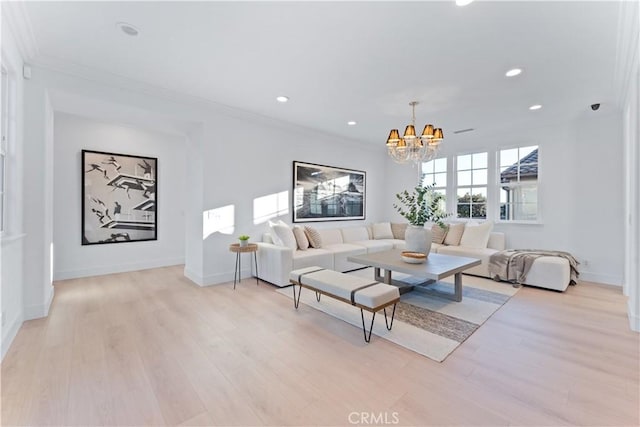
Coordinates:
<point>223,168</point>
<point>12,245</point>
<point>629,67</point>
<point>38,212</point>
<point>258,163</point>
<point>580,189</point>
<point>73,134</point>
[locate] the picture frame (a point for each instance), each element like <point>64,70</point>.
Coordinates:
<point>119,198</point>
<point>327,193</point>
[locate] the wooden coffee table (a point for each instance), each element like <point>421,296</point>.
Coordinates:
<point>436,267</point>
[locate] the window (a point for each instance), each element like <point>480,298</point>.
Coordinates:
<point>472,185</point>
<point>519,184</point>
<point>434,173</point>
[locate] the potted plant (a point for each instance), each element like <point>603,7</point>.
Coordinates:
<point>419,207</point>
<point>244,240</point>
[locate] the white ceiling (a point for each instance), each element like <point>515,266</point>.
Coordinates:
<point>361,61</point>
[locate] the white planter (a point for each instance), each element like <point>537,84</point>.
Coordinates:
<point>243,243</point>
<point>417,239</point>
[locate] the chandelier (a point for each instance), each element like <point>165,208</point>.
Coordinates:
<point>411,148</point>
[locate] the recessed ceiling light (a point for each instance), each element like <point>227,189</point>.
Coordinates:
<point>352,123</point>
<point>535,107</point>
<point>282,98</point>
<point>128,29</point>
<point>463,2</point>
<point>513,72</point>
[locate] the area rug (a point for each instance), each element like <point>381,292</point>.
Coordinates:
<point>425,322</point>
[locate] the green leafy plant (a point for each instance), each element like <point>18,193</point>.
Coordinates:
<point>420,206</point>
<point>243,237</point>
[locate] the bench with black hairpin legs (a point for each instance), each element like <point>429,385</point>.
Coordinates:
<point>357,291</point>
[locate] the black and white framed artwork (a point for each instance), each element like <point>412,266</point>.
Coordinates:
<point>327,193</point>
<point>119,198</point>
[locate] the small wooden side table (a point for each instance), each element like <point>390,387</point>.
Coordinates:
<point>251,247</point>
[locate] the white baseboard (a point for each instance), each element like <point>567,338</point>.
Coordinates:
<point>10,334</point>
<point>37,311</point>
<point>214,279</point>
<point>195,278</point>
<point>606,279</point>
<point>120,268</point>
<point>634,317</point>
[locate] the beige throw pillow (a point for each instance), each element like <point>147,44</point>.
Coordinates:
<point>454,234</point>
<point>398,230</point>
<point>301,238</point>
<point>382,230</point>
<point>314,237</point>
<point>476,236</point>
<point>438,233</point>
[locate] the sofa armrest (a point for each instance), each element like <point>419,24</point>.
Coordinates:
<point>274,263</point>
<point>496,241</point>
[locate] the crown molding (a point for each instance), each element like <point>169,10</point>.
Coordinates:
<point>627,49</point>
<point>15,16</point>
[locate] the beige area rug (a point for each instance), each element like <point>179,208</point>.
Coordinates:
<point>424,322</point>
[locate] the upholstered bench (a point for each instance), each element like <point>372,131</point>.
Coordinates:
<point>546,269</point>
<point>365,294</point>
<point>550,273</point>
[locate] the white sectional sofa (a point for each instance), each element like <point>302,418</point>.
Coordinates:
<point>275,262</point>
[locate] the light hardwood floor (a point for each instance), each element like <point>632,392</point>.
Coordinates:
<point>151,348</point>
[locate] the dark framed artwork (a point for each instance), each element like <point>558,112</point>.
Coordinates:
<point>327,193</point>
<point>119,198</point>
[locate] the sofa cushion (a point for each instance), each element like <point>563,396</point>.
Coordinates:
<point>274,237</point>
<point>315,240</point>
<point>454,234</point>
<point>343,248</point>
<point>341,251</point>
<point>435,247</point>
<point>330,236</point>
<point>311,256</point>
<point>395,243</point>
<point>382,230</point>
<point>398,230</point>
<point>354,234</point>
<point>375,245</point>
<point>496,241</point>
<point>284,235</point>
<point>438,234</point>
<point>301,238</point>
<point>476,236</point>
<point>481,254</point>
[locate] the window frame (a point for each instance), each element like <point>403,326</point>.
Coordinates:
<point>487,186</point>
<point>443,189</point>
<point>518,184</point>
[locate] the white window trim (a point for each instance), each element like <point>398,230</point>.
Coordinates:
<point>489,187</point>
<point>496,188</point>
<point>493,185</point>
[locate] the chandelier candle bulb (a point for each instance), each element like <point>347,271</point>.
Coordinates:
<point>411,148</point>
